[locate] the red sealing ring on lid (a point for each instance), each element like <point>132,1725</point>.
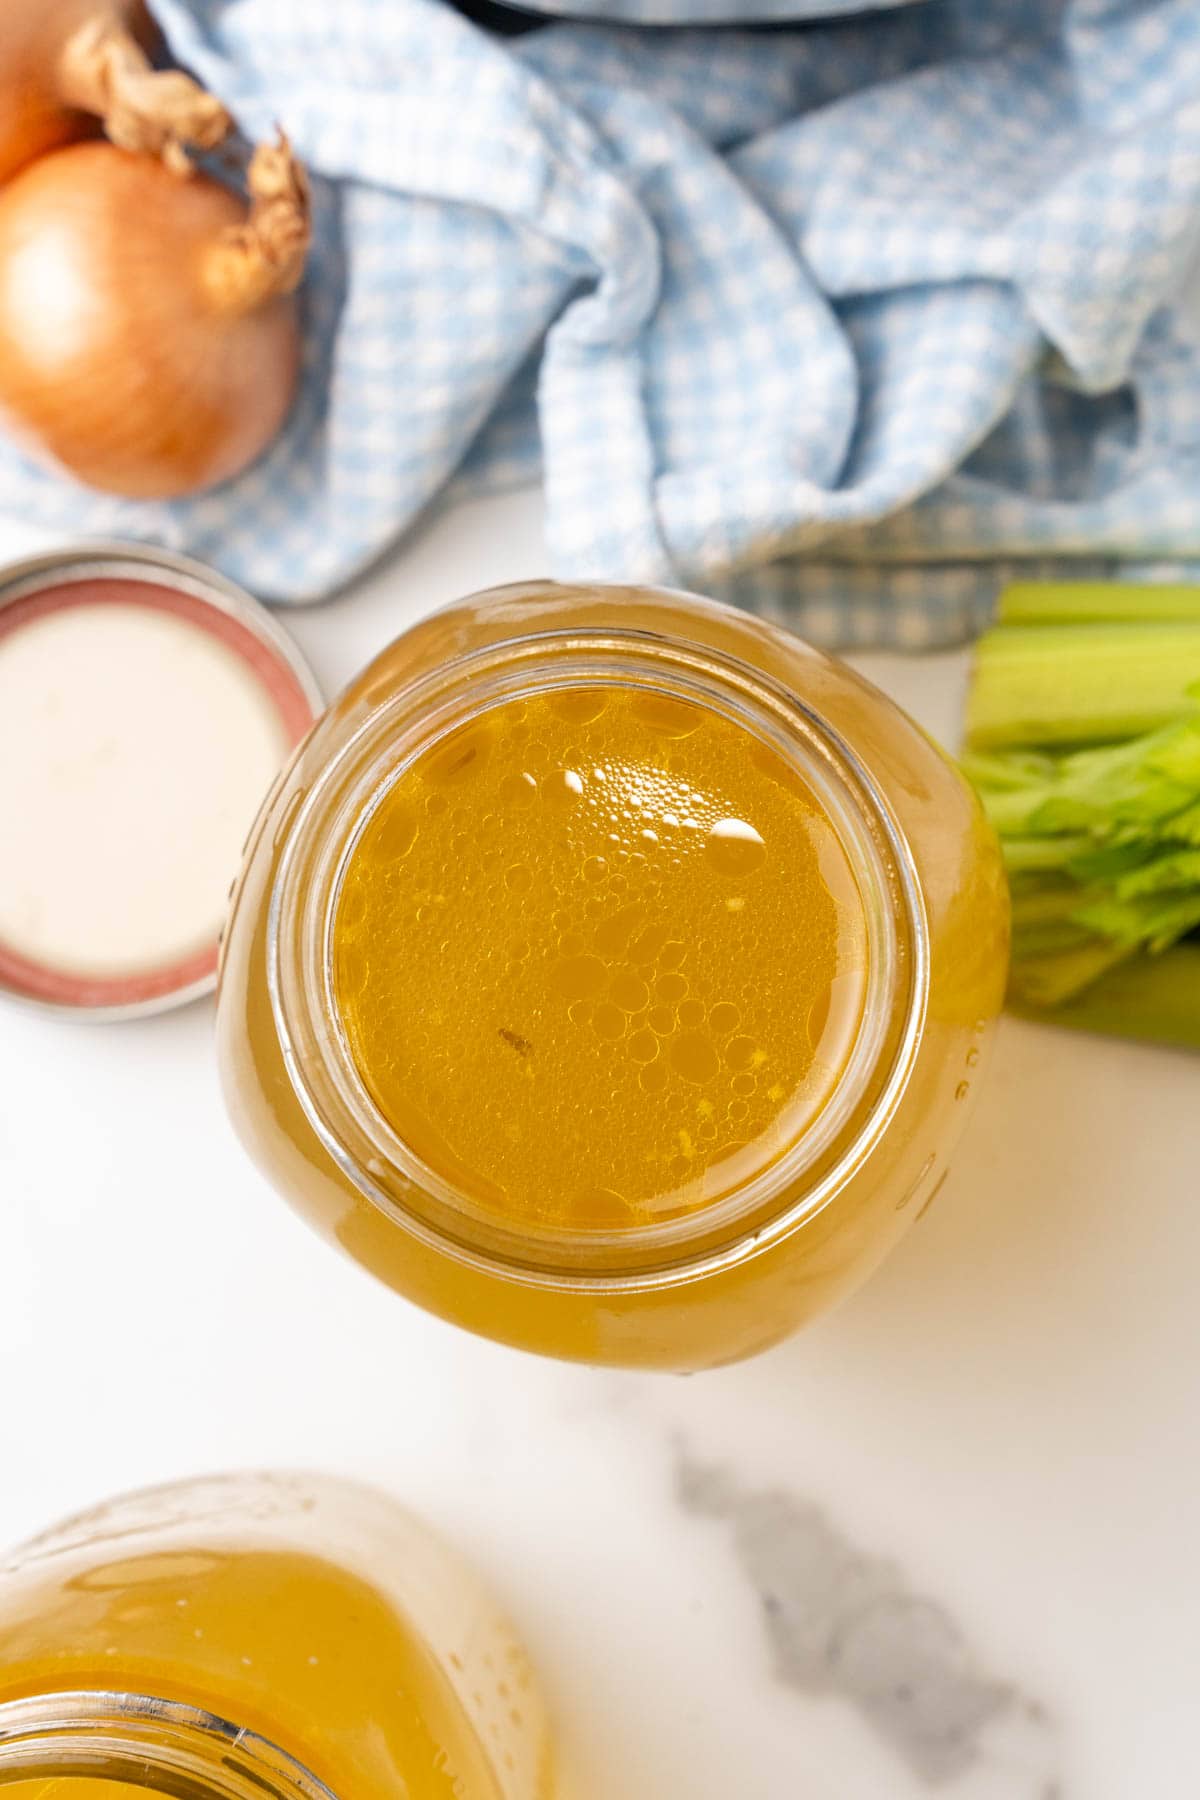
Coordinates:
<point>132,576</point>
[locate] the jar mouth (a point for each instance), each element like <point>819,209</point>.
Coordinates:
<point>320,840</point>
<point>162,1746</point>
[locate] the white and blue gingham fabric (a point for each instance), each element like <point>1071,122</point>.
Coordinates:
<point>842,320</point>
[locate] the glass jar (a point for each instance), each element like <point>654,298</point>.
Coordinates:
<point>691,1285</point>
<point>259,1638</point>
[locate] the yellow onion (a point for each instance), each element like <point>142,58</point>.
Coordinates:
<point>149,342</point>
<point>66,65</point>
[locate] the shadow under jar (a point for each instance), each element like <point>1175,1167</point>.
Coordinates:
<point>259,1637</point>
<point>610,974</point>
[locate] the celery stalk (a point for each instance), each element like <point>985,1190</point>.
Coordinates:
<point>1095,603</point>
<point>1155,999</point>
<point>1050,978</point>
<point>1040,855</point>
<point>1039,687</point>
<point>1083,740</point>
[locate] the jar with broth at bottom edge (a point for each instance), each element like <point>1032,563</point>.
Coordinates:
<point>259,1637</point>
<point>611,974</point>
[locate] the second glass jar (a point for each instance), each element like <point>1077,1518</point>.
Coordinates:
<point>259,1637</point>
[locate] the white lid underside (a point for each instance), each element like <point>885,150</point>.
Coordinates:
<point>135,748</point>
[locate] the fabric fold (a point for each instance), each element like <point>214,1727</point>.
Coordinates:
<point>836,321</point>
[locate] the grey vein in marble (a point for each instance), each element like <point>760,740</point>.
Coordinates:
<point>843,1621</point>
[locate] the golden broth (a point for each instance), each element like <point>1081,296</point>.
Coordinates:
<point>599,957</point>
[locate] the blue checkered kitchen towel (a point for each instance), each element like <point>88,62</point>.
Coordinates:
<point>836,320</point>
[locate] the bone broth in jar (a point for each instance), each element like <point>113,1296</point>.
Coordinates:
<point>611,973</point>
<point>259,1637</point>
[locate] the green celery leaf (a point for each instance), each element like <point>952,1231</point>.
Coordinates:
<point>1050,980</point>
<point>1101,838</point>
<point>1173,870</point>
<point>1046,855</point>
<point>1183,827</point>
<point>1153,920</point>
<point>1105,862</point>
<point>1008,768</point>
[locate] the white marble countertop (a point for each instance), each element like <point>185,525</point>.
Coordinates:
<point>942,1544</point>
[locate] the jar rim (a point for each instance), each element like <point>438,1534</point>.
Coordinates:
<point>146,1742</point>
<point>389,1174</point>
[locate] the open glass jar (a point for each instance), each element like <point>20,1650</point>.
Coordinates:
<point>653,1086</point>
<point>259,1638</point>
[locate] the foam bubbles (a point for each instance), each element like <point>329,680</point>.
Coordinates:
<point>629,990</point>
<point>609,1020</point>
<point>734,847</point>
<point>579,977</point>
<point>567,950</point>
<point>694,1056</point>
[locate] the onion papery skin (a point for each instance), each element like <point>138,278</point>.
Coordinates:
<point>35,117</point>
<point>119,361</point>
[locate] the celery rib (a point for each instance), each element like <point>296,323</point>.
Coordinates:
<point>1083,740</point>
<point>1150,998</point>
<point>1096,603</point>
<point>1058,686</point>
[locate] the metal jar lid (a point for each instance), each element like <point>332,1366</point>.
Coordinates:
<point>146,706</point>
